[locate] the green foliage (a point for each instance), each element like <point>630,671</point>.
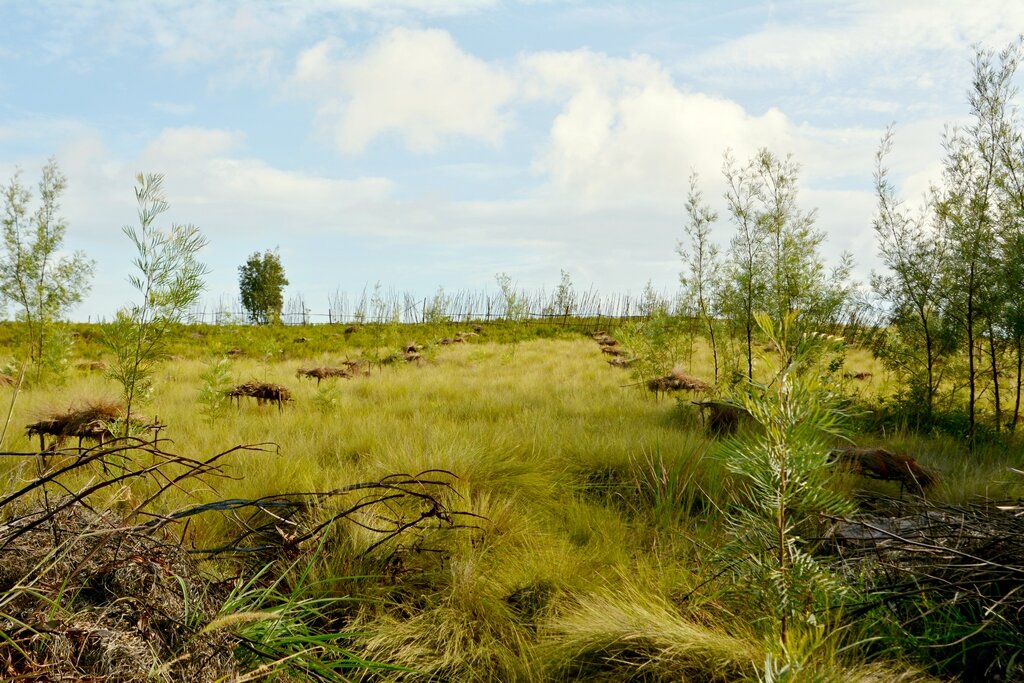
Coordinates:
<point>383,329</point>
<point>651,302</point>
<point>954,270</point>
<point>57,353</point>
<point>215,382</point>
<point>169,280</point>
<point>517,308</point>
<point>774,261</point>
<point>436,311</point>
<point>563,300</point>
<point>261,281</point>
<point>784,466</point>
<point>34,274</point>
<point>287,626</point>
<point>669,487</point>
<point>701,278</point>
<point>658,342</point>
<point>326,398</point>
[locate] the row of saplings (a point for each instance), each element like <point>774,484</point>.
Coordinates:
<point>723,418</point>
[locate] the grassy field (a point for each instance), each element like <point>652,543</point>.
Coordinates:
<point>594,552</point>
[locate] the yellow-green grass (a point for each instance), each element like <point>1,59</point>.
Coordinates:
<point>598,504</point>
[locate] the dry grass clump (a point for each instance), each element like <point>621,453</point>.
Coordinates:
<point>878,463</point>
<point>263,392</point>
<point>677,380</point>
<point>634,635</point>
<point>446,643</point>
<point>91,365</point>
<point>620,356</point>
<point>83,596</point>
<point>347,370</point>
<point>92,421</point>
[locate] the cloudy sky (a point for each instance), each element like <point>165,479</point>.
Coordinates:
<point>435,143</point>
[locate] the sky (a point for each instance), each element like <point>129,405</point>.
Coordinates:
<point>435,143</point>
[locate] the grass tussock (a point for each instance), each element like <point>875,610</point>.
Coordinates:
<point>632,634</point>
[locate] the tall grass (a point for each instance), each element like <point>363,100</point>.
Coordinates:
<point>599,507</point>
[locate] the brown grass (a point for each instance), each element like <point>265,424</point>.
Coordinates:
<point>91,421</point>
<point>878,463</point>
<point>327,372</point>
<point>677,380</point>
<point>262,392</point>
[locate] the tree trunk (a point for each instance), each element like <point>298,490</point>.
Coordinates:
<point>1019,343</point>
<point>995,376</point>
<point>750,350</point>
<point>930,360</point>
<point>714,345</point>
<point>970,362</point>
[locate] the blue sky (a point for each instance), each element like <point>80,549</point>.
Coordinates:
<point>434,143</point>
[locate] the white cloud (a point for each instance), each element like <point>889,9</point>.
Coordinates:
<point>417,84</point>
<point>247,41</point>
<point>877,40</point>
<point>627,134</point>
<point>239,196</point>
<point>186,145</point>
<point>240,203</point>
<point>612,140</point>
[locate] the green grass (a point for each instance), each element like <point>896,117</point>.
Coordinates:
<point>599,507</point>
